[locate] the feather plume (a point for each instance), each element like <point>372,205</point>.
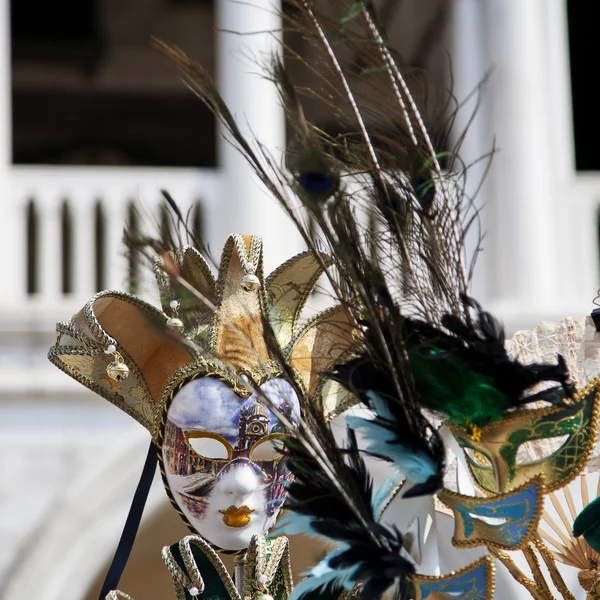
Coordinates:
<point>465,373</point>
<point>389,166</point>
<point>398,433</point>
<point>370,554</point>
<point>379,196</point>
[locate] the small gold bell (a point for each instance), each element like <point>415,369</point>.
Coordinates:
<point>117,370</point>
<point>175,324</point>
<point>250,282</point>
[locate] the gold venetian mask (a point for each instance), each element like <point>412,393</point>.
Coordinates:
<point>497,460</point>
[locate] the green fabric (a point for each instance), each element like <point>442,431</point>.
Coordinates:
<point>587,524</point>
<point>449,386</point>
<point>214,588</point>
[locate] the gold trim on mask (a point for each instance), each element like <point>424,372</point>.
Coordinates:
<point>201,434</point>
<point>501,440</point>
<point>489,580</point>
<point>266,438</point>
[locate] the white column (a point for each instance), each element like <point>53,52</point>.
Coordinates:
<point>248,33</point>
<point>49,251</point>
<point>82,208</point>
<point>115,204</point>
<point>12,223</point>
<point>470,63</point>
<point>577,197</point>
<point>521,177</point>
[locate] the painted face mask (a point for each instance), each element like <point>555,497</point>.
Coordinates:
<point>180,373</point>
<point>222,463</point>
<point>499,463</point>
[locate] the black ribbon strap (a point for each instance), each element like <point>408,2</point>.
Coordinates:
<point>132,524</point>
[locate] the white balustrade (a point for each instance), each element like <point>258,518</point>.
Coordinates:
<point>48,262</point>
<point>90,194</point>
<point>83,260</point>
<point>534,246</point>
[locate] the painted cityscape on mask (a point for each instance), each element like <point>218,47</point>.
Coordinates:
<point>209,404</point>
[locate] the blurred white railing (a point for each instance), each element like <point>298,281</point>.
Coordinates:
<point>65,238</point>
<point>63,243</point>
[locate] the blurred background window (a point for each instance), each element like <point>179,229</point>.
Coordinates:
<point>583,19</point>
<point>87,84</point>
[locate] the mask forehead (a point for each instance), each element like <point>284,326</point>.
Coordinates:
<point>209,404</point>
<point>493,458</point>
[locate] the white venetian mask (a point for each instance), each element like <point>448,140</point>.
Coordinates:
<point>221,460</point>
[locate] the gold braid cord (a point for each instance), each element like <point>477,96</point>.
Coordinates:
<point>550,563</point>
<point>538,576</point>
<point>518,575</point>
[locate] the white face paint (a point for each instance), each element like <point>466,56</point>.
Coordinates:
<point>220,460</point>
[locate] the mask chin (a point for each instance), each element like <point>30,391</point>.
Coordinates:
<point>228,540</point>
<point>236,508</point>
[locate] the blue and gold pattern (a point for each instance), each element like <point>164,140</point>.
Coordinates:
<point>474,582</point>
<point>519,512</point>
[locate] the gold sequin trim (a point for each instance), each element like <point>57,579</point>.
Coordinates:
<point>490,570</point>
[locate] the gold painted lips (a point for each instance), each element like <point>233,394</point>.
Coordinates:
<point>237,516</point>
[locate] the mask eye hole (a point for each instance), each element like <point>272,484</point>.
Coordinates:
<point>494,521</point>
<point>534,451</point>
<point>478,458</point>
<point>209,445</point>
<point>267,449</point>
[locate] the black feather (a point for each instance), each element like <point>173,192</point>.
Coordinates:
<point>475,348</point>
<point>411,437</point>
<point>367,546</point>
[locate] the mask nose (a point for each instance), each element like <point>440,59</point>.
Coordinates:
<point>239,483</point>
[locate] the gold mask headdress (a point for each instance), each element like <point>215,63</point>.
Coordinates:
<point>556,442</point>
<point>115,328</point>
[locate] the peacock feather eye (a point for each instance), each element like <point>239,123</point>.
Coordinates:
<point>317,185</point>
<point>316,182</point>
<point>425,190</point>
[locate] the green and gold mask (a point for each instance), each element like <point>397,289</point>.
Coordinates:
<point>494,458</point>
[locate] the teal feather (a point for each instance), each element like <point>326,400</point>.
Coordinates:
<point>416,466</point>
<point>322,577</point>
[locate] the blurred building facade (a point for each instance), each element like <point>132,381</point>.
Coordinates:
<point>97,121</point>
